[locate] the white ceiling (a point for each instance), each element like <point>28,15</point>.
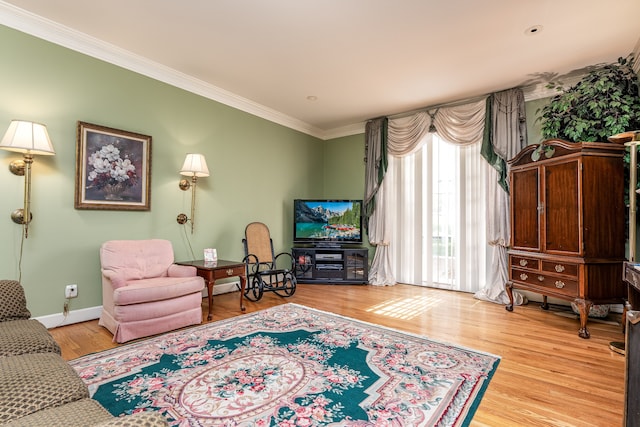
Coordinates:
<point>359,58</point>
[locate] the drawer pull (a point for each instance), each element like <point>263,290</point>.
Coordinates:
<point>540,278</point>
<point>559,268</point>
<point>230,272</point>
<point>524,262</point>
<point>523,276</point>
<point>559,284</point>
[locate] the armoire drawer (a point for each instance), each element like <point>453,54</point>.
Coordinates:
<point>525,262</point>
<point>544,281</point>
<point>565,268</point>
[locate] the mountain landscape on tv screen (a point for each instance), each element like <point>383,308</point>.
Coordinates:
<point>327,220</point>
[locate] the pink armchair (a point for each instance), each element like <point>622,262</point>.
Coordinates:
<point>144,292</point>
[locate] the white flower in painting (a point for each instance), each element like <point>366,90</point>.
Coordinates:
<point>109,168</point>
<point>110,152</point>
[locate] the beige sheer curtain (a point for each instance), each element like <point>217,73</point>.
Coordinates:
<point>461,125</point>
<point>506,136</point>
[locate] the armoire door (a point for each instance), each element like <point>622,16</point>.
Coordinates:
<point>562,208</point>
<point>525,215</point>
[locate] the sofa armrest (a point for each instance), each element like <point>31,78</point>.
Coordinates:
<point>147,419</point>
<point>13,303</point>
<point>176,270</point>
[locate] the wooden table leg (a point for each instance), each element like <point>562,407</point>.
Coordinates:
<point>210,298</point>
<point>243,284</point>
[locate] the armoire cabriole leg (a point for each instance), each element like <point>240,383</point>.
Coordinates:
<point>509,288</point>
<point>584,306</point>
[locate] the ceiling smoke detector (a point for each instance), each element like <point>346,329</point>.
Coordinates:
<point>536,29</point>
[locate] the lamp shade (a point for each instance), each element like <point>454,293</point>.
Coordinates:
<point>195,165</point>
<point>27,137</point>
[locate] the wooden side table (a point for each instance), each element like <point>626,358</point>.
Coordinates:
<point>221,269</point>
<point>631,276</point>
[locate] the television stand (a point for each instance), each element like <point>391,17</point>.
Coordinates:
<point>337,265</point>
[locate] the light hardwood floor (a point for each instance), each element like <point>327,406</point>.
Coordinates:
<point>548,376</point>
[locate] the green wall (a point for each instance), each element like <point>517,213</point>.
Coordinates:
<point>534,128</point>
<point>344,167</point>
<point>344,171</point>
<point>257,168</point>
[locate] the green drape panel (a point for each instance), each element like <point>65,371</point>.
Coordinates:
<point>384,162</point>
<point>487,150</point>
<point>381,161</point>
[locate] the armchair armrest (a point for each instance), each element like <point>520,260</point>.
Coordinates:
<point>117,280</point>
<point>13,303</point>
<point>176,270</point>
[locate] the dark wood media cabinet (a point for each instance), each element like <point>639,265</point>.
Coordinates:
<point>344,266</point>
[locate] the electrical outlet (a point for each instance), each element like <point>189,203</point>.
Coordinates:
<point>71,291</point>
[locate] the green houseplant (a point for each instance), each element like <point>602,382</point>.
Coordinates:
<point>603,103</point>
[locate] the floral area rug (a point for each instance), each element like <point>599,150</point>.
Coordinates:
<point>289,366</point>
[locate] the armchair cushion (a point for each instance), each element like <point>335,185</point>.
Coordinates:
<point>13,304</point>
<point>156,289</point>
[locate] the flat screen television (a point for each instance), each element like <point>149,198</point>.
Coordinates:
<point>324,222</point>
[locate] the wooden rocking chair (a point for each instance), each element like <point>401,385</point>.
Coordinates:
<point>264,271</point>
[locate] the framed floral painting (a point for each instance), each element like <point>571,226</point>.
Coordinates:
<point>113,169</point>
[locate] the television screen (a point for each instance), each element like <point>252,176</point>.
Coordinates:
<point>327,221</point>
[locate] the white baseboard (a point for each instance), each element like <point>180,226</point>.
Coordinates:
<point>91,313</point>
<point>74,316</point>
<point>224,288</point>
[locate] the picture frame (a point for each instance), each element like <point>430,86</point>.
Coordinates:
<point>113,169</point>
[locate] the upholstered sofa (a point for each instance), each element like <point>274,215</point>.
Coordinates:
<point>143,292</point>
<point>37,387</point>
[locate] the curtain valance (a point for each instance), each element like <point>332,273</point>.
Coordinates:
<point>462,124</point>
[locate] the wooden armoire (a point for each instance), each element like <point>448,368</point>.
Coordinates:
<point>568,224</point>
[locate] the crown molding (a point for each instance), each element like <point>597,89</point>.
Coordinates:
<point>348,130</point>
<point>29,23</point>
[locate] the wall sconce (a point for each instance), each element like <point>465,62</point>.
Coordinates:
<point>28,138</point>
<point>194,166</point>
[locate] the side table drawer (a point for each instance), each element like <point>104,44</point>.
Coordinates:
<point>632,277</point>
<point>229,272</point>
